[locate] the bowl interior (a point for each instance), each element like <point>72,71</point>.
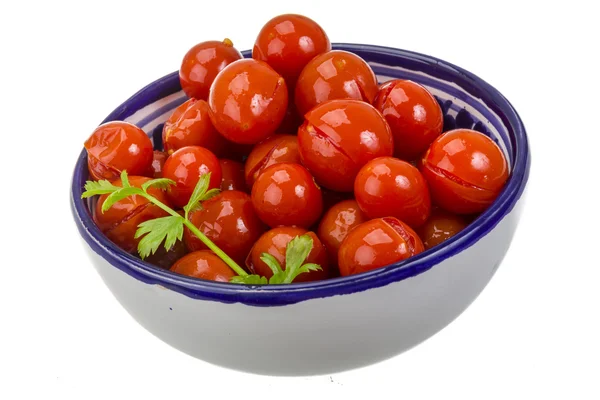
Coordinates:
<point>467,102</point>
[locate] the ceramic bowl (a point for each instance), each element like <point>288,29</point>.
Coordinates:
<point>339,324</point>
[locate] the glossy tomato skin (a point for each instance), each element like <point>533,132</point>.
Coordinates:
<point>117,146</point>
<point>414,116</point>
<point>275,241</point>
<point>285,194</point>
<point>440,226</point>
<point>288,42</point>
<point>232,173</point>
<point>230,221</point>
<point>339,137</point>
<point>190,125</point>
<point>390,187</point>
<point>120,222</point>
<point>336,74</point>
<point>273,150</point>
<point>184,167</point>
<point>203,264</point>
<point>158,162</point>
<point>465,171</point>
<point>335,225</point>
<point>248,101</point>
<point>377,243</point>
<point>202,63</point>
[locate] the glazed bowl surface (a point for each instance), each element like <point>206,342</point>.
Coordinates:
<point>338,324</point>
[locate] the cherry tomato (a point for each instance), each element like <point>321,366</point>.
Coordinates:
<point>335,225</point>
<point>117,146</point>
<point>377,243</point>
<point>230,221</point>
<point>185,167</point>
<point>288,42</point>
<point>202,63</point>
<point>336,74</point>
<point>275,241</point>
<point>120,222</point>
<point>286,194</point>
<point>413,114</point>
<point>166,258</point>
<point>465,171</point>
<point>203,264</point>
<point>389,187</point>
<point>276,149</point>
<point>158,161</point>
<point>190,125</point>
<point>339,137</point>
<point>440,227</point>
<point>248,101</point>
<point>233,175</point>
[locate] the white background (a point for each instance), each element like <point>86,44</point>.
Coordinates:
<point>534,331</point>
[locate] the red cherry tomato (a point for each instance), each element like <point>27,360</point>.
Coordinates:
<point>276,149</point>
<point>286,194</point>
<point>166,258</point>
<point>190,125</point>
<point>465,171</point>
<point>377,243</point>
<point>339,137</point>
<point>389,187</point>
<point>117,146</point>
<point>335,225</point>
<point>248,101</point>
<point>230,221</point>
<point>275,241</point>
<point>440,227</point>
<point>413,114</point>
<point>184,167</point>
<point>202,63</point>
<point>288,42</point>
<point>336,74</point>
<point>158,161</point>
<point>203,264</point>
<point>120,222</point>
<point>233,175</point>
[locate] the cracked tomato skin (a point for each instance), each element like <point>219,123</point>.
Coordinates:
<point>273,150</point>
<point>120,222</point>
<point>232,173</point>
<point>202,63</point>
<point>336,223</point>
<point>338,137</point>
<point>203,264</point>
<point>117,146</point>
<point>275,241</point>
<point>248,101</point>
<point>465,171</point>
<point>389,187</point>
<point>376,244</point>
<point>286,195</point>
<point>190,125</point>
<point>229,220</point>
<point>440,226</point>
<point>414,116</point>
<point>336,74</point>
<point>184,167</point>
<point>288,42</point>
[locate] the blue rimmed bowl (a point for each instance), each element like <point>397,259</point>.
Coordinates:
<point>334,325</point>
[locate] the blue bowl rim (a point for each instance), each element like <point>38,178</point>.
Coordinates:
<point>278,295</point>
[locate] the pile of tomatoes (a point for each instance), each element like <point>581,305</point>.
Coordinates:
<point>301,139</point>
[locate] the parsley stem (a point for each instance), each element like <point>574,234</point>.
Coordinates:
<point>209,243</point>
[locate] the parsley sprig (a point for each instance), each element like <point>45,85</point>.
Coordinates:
<point>169,229</point>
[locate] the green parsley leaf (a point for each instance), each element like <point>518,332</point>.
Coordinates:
<point>160,183</point>
<point>197,194</point>
<point>296,252</point>
<point>98,188</point>
<point>278,278</point>
<point>271,263</point>
<point>167,229</point>
<point>249,280</point>
<point>125,179</point>
<point>119,195</point>
<point>210,194</point>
